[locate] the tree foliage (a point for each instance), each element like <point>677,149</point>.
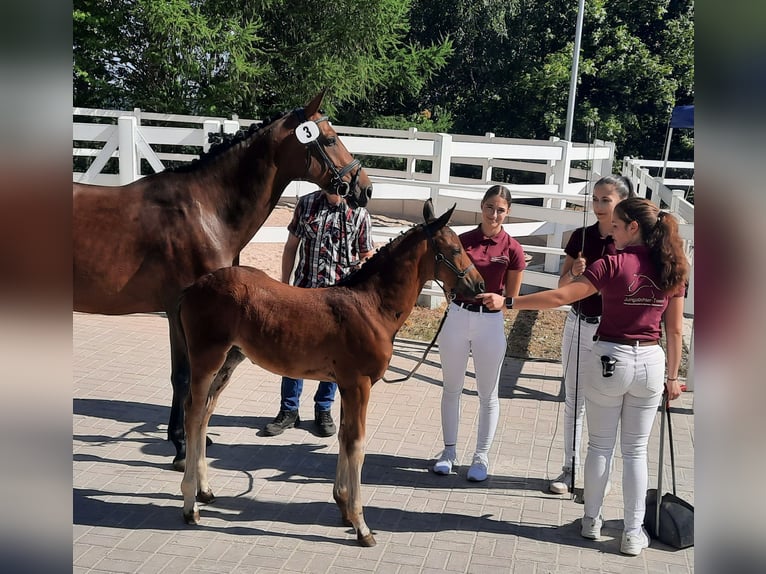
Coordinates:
<point>253,58</point>
<point>467,66</point>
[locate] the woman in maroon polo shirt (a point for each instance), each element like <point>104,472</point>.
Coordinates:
<point>642,284</point>
<point>478,329</point>
<point>583,248</point>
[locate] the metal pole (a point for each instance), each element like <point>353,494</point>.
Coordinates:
<point>575,65</point>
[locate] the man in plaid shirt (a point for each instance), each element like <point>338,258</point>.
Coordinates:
<point>332,239</point>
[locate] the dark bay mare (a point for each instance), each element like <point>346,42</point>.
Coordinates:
<point>343,333</point>
<point>137,246</point>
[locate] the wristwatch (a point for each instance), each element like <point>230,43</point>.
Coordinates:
<point>509,302</point>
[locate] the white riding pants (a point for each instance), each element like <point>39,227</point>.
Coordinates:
<point>483,335</point>
<point>630,398</point>
<point>574,376</point>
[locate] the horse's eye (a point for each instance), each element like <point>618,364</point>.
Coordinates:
<point>455,251</point>
<point>330,141</point>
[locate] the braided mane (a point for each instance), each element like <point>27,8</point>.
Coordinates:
<point>222,142</point>
<point>381,256</point>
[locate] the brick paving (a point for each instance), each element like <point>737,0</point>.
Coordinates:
<point>274,510</point>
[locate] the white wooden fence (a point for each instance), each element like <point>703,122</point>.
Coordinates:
<point>131,140</point>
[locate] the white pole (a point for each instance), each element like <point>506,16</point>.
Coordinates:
<point>667,153</point>
<point>575,65</point>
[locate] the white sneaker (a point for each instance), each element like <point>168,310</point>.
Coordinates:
<point>560,484</point>
<point>478,470</point>
<point>591,527</point>
<point>447,459</point>
<point>633,544</point>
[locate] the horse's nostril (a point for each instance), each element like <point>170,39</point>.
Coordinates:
<point>481,287</point>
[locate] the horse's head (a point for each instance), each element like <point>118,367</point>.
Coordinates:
<point>328,163</point>
<point>453,266</point>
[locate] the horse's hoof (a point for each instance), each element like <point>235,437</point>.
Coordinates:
<point>192,517</point>
<point>179,464</point>
<point>205,497</point>
<point>366,541</point>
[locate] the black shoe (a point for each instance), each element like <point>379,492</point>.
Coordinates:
<point>324,423</point>
<point>284,420</point>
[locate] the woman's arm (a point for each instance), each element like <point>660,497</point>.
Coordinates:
<point>674,328</point>
<point>577,289</point>
<point>495,302</point>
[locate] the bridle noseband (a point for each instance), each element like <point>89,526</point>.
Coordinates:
<point>337,185</point>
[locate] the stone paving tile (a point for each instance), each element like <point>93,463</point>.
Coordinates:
<point>274,510</point>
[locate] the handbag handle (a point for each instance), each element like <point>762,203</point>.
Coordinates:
<point>670,440</point>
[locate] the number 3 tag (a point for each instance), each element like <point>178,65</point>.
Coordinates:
<point>307,132</point>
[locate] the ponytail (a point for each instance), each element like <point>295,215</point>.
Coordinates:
<point>660,233</point>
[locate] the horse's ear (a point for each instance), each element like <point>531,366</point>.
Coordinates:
<point>313,106</point>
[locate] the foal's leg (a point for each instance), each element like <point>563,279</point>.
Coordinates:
<point>354,403</point>
<point>194,407</point>
<point>340,488</point>
<point>233,358</point>
<point>179,378</point>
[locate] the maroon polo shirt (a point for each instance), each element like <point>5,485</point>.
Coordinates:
<point>593,249</point>
<point>493,257</point>
<point>632,302</point>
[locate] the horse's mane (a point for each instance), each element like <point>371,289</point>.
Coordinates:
<point>374,263</point>
<point>222,142</point>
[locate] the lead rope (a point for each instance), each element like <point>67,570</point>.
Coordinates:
<point>450,297</point>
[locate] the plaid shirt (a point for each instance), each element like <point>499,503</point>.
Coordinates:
<point>332,237</point>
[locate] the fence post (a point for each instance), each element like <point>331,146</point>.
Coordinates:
<point>560,178</point>
<point>412,133</point>
<point>128,161</point>
<point>441,166</point>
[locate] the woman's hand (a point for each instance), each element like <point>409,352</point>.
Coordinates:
<point>578,266</point>
<point>673,389</point>
<point>491,301</point>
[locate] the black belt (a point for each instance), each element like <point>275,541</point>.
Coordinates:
<point>622,341</point>
<point>476,308</point>
<point>590,320</point>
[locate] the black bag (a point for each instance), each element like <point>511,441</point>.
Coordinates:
<point>674,524</point>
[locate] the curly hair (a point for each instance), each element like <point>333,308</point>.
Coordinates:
<point>659,231</point>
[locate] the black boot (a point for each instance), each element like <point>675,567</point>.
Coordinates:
<point>284,420</point>
<point>324,423</point>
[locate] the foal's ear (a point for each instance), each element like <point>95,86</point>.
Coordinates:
<point>313,106</point>
<point>428,215</point>
<point>428,210</point>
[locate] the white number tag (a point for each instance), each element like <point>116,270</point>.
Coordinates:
<point>307,132</point>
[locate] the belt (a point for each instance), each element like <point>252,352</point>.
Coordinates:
<point>586,318</point>
<point>476,308</point>
<point>622,341</point>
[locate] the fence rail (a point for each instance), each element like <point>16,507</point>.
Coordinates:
<point>131,144</point>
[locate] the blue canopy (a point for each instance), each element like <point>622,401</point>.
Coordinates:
<point>682,117</point>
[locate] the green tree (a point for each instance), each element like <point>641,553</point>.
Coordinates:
<point>510,71</point>
<point>252,58</point>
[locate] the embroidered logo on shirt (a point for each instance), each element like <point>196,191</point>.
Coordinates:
<point>500,259</point>
<point>643,291</point>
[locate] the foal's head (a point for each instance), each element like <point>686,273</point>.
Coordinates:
<point>328,163</point>
<point>453,266</point>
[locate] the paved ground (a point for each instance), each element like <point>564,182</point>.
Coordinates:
<point>274,510</point>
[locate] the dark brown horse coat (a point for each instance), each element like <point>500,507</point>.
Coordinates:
<point>136,247</point>
<point>342,333</point>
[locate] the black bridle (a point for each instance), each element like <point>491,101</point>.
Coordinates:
<point>439,258</point>
<point>337,185</point>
